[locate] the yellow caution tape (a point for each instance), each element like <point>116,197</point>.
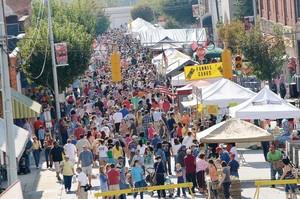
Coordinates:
<point>142,189</point>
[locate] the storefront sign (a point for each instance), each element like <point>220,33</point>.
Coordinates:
<point>204,71</point>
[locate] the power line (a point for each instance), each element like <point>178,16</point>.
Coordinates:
<point>37,29</point>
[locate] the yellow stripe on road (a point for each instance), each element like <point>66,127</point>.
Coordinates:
<point>275,182</point>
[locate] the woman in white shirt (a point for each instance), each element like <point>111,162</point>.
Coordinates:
<point>141,147</point>
<point>102,150</point>
<point>175,148</point>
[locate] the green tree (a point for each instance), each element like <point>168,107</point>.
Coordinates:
<point>72,24</point>
<point>180,10</point>
<point>232,35</point>
<point>243,8</point>
<point>142,11</point>
<point>266,56</point>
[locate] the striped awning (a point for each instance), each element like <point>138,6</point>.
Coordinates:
<point>23,106</point>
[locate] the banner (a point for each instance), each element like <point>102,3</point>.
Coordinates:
<point>200,108</point>
<point>204,71</point>
<point>61,53</point>
<point>116,72</point>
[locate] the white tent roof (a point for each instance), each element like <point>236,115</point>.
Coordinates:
<point>149,37</point>
<point>232,131</point>
<point>222,93</point>
<point>140,25</point>
<point>178,80</point>
<point>199,84</point>
<point>265,105</point>
<point>175,59</point>
<point>20,135</point>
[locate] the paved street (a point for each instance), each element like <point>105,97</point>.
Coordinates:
<point>42,184</point>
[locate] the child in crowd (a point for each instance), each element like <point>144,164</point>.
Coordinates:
<point>180,179</point>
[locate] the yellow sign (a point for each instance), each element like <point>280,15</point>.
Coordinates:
<point>212,109</point>
<point>200,108</point>
<point>204,71</point>
<point>116,67</point>
<point>152,188</point>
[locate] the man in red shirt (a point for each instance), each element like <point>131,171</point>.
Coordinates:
<point>113,178</point>
<point>79,131</point>
<point>190,166</point>
<point>166,106</point>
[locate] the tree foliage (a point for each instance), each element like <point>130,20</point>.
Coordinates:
<point>243,8</point>
<point>73,23</point>
<point>265,55</point>
<point>180,10</point>
<point>142,11</point>
<point>232,35</point>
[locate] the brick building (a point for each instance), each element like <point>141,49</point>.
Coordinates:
<point>286,15</point>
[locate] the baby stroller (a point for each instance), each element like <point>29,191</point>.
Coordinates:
<point>150,175</point>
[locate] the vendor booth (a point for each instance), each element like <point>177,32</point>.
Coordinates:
<point>233,131</point>
<point>222,93</point>
<point>265,105</point>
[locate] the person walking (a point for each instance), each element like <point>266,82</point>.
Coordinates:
<point>137,174</point>
<point>160,171</point>
<point>48,144</point>
<point>70,151</point>
<point>290,189</point>
<point>213,174</point>
<point>190,166</point>
<point>36,151</point>
<point>113,176</point>
<point>234,166</point>
<point>225,180</point>
<point>56,156</point>
<point>201,167</point>
<point>86,161</point>
<point>103,179</point>
<point>180,179</point>
<point>67,170</point>
<point>274,157</point>
<point>82,184</point>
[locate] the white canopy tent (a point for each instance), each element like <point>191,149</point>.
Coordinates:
<point>265,105</point>
<point>140,25</point>
<point>178,80</point>
<point>199,84</point>
<point>21,136</point>
<point>221,93</point>
<point>175,59</point>
<point>165,43</point>
<point>233,131</point>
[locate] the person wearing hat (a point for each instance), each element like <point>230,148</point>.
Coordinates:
<point>67,170</point>
<point>223,154</point>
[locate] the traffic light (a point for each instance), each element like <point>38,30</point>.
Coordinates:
<point>227,63</point>
<point>238,62</point>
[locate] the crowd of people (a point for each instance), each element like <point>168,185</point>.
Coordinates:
<point>129,131</point>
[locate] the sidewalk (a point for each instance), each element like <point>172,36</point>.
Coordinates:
<point>42,183</point>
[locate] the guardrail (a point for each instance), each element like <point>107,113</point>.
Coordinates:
<point>261,183</point>
<point>143,189</point>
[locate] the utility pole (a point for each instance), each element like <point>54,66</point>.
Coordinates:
<point>54,71</point>
<point>7,105</point>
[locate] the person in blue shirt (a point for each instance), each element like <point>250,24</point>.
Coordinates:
<point>155,141</point>
<point>171,122</point>
<point>137,174</point>
<point>124,111</point>
<point>234,166</point>
<point>223,155</point>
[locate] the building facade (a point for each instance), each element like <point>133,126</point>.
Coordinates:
<point>285,14</point>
